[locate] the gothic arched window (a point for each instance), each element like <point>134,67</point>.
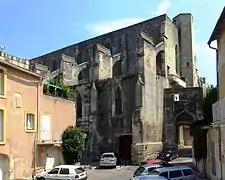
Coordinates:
<point>79,58</point>
<point>177,60</point>
<point>118,101</point>
<point>117,69</point>
<point>79,106</point>
<point>54,65</point>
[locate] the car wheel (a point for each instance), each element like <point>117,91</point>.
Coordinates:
<point>41,178</point>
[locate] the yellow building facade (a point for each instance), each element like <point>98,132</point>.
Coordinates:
<point>216,132</point>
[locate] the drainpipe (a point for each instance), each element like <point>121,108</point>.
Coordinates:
<point>36,133</point>
<point>217,68</point>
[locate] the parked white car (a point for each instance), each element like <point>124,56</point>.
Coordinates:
<point>67,172</point>
<point>108,160</point>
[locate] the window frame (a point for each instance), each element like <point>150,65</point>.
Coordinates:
<point>167,172</point>
<point>64,169</point>
<point>2,142</point>
<point>3,96</point>
<point>174,171</point>
<point>26,120</point>
<point>185,170</point>
<point>54,169</point>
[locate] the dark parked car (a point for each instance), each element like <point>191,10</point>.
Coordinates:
<point>168,154</point>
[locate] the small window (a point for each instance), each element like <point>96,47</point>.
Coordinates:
<point>108,156</point>
<point>168,70</point>
<point>175,174</point>
<point>188,64</point>
<point>79,170</point>
<point>30,121</point>
<point>54,171</point>
<point>187,172</point>
<point>64,171</point>
<point>164,174</point>
<point>183,78</point>
<point>2,83</point>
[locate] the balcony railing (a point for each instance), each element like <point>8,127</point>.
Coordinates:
<point>218,109</point>
<point>45,137</point>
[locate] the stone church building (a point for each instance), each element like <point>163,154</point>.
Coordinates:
<point>137,88</point>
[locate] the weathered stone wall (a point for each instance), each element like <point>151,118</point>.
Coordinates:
<point>148,120</point>
<point>184,109</point>
<point>171,41</point>
<point>104,125</point>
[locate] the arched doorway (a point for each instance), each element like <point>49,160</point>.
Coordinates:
<point>4,167</point>
<point>182,128</point>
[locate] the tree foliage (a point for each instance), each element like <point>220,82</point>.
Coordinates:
<point>211,97</point>
<point>196,130</point>
<point>62,90</point>
<point>72,144</point>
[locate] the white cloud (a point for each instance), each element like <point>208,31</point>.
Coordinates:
<point>163,6</point>
<point>103,27</point>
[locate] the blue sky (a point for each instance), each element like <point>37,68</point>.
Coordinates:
<point>31,28</point>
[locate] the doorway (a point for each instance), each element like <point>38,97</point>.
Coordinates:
<point>125,142</point>
<point>4,167</point>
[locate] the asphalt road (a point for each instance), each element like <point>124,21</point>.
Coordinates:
<point>126,172</point>
<point>120,173</point>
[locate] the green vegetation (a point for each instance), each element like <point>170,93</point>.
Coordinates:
<point>72,144</point>
<point>197,132</point>
<point>57,88</point>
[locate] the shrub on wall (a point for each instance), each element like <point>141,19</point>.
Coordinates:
<point>61,89</point>
<point>72,144</point>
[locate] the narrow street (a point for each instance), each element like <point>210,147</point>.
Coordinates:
<point>126,172</point>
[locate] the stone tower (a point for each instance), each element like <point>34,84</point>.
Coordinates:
<point>184,23</point>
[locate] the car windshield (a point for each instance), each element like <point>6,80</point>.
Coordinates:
<point>79,170</point>
<point>154,172</point>
<point>107,156</point>
<point>139,171</point>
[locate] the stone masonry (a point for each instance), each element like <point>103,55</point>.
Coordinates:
<point>120,79</point>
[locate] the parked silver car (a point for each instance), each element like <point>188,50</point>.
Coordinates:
<point>175,173</point>
<point>149,178</point>
<point>108,160</point>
